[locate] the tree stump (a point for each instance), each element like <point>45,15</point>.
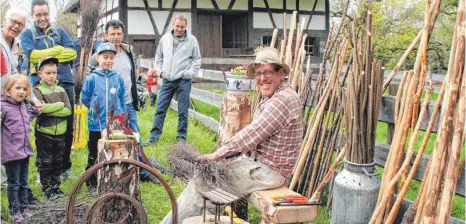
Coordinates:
<point>234,116</point>
<point>122,178</point>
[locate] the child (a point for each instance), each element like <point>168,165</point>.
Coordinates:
<point>152,87</point>
<point>51,127</point>
<point>16,148</point>
<point>102,89</point>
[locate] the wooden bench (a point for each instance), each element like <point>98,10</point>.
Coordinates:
<point>282,214</point>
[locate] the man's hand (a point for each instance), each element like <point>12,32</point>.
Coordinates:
<point>208,157</point>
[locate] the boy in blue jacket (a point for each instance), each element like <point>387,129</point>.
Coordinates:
<point>102,90</point>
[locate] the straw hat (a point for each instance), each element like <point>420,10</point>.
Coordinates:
<point>266,55</point>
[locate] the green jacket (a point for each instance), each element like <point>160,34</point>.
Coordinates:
<point>55,108</point>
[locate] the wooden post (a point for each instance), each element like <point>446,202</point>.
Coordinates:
<point>118,178</point>
<point>234,116</point>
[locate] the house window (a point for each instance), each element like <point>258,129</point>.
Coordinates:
<point>266,40</point>
<point>235,31</point>
<point>310,46</point>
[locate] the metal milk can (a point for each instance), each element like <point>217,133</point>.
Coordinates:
<point>355,193</point>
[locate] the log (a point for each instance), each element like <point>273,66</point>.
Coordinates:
<point>118,178</point>
<point>234,115</point>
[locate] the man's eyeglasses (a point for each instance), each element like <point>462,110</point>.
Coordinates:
<point>20,24</point>
<point>266,73</point>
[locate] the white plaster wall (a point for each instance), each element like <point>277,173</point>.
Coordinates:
<point>104,20</point>
<point>182,4</point>
<point>308,4</point>
<point>291,4</point>
<point>317,23</point>
<point>223,4</point>
<point>107,5</point>
<point>140,3</point>
<point>262,20</point>
<point>205,4</point>
<point>139,22</point>
<point>242,4</point>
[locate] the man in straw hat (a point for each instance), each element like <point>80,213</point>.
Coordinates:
<point>268,146</point>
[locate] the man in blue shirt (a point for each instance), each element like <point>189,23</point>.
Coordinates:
<point>44,40</point>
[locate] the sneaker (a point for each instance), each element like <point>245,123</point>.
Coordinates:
<point>18,218</point>
<point>67,175</point>
<point>27,213</point>
<point>149,142</point>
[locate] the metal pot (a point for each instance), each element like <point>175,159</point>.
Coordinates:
<point>355,193</point>
<point>238,84</point>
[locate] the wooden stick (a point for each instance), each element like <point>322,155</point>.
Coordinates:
<point>406,162</point>
<point>319,113</point>
<point>412,172</point>
<point>284,40</point>
<point>317,194</point>
<point>451,177</point>
<point>321,143</point>
<point>443,139</point>
<point>288,59</point>
<point>274,38</point>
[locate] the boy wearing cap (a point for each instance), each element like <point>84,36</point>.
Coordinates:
<point>102,89</point>
<point>51,127</point>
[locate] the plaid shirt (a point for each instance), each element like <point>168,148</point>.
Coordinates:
<point>276,132</point>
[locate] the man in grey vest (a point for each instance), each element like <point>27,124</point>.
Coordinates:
<point>176,61</point>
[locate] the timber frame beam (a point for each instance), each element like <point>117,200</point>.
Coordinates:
<point>169,18</point>
<point>270,14</point>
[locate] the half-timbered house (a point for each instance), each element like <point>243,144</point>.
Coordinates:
<point>224,28</point>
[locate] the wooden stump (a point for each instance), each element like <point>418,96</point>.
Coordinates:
<point>122,178</point>
<point>234,115</point>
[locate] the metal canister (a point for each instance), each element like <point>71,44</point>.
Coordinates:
<point>355,193</point>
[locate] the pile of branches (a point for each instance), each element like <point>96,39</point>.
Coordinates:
<point>434,201</point>
<point>362,98</point>
<point>55,213</point>
<point>184,164</point>
<point>90,11</point>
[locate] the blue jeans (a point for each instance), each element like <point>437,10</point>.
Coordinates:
<point>132,118</point>
<point>17,179</point>
<point>183,87</point>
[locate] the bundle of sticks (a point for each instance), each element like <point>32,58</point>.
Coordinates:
<point>362,99</point>
<point>90,11</point>
<point>433,204</point>
<point>184,164</point>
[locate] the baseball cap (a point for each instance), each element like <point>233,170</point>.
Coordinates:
<point>106,47</point>
<point>47,60</point>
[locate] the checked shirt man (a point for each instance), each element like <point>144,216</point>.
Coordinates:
<point>273,138</point>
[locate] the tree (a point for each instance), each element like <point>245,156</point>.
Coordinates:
<point>397,22</point>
